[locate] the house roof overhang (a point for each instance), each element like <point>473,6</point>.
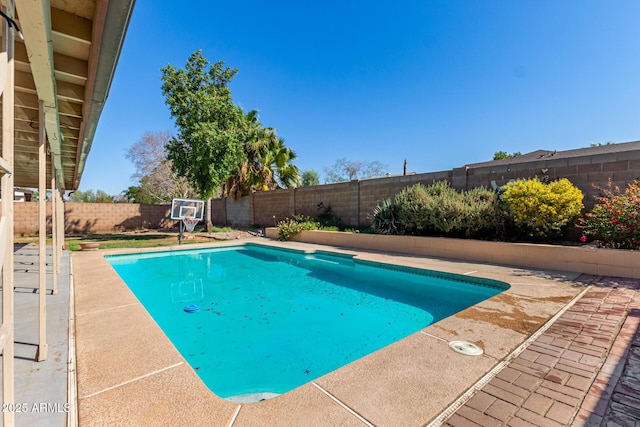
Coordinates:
<point>67,60</point>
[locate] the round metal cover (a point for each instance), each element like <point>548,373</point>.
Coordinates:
<point>465,348</point>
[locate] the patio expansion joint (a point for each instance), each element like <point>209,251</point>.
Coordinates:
<point>448,412</point>
<point>157,371</point>
<point>433,336</point>
<point>72,375</point>
<point>107,309</point>
<point>344,405</point>
<point>234,416</point>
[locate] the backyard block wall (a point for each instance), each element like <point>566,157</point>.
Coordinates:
<point>354,201</point>
<point>265,205</point>
<point>219,211</point>
<point>82,218</point>
<point>586,172</point>
<point>342,197</point>
<point>237,213</point>
<point>25,218</point>
<point>373,191</point>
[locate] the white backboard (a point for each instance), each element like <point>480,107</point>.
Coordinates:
<point>189,208</point>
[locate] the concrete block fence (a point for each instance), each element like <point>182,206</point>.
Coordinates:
<point>587,168</point>
<point>83,218</point>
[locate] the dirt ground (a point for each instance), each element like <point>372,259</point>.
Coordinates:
<point>229,235</point>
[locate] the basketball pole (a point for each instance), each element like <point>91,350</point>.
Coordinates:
<point>180,234</point>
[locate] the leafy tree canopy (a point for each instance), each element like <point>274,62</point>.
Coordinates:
<point>267,164</point>
<point>347,170</point>
<point>310,177</point>
<point>136,194</point>
<point>499,155</point>
<point>89,196</point>
<point>208,147</point>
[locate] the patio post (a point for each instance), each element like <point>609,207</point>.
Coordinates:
<point>6,231</point>
<point>42,238</point>
<point>55,251</point>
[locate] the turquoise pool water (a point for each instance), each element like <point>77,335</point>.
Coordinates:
<point>271,320</point>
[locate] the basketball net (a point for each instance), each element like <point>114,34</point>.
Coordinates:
<point>190,223</point>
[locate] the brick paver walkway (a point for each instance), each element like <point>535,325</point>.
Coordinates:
<point>584,370</point>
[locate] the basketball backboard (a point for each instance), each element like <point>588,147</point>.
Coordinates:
<point>189,208</point>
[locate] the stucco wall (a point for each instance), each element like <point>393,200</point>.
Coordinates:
<point>584,259</point>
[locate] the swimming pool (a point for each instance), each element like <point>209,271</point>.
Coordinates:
<point>270,320</point>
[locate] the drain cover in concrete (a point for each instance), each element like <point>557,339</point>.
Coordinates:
<point>465,348</point>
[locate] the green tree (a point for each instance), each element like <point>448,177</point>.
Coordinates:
<point>500,155</point>
<point>309,177</point>
<point>347,170</point>
<point>89,196</point>
<point>136,194</point>
<point>209,144</point>
<point>278,171</point>
<point>267,164</point>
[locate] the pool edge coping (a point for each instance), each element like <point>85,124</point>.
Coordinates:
<point>235,243</point>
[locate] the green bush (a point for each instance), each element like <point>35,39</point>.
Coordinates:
<point>541,210</point>
<point>383,219</point>
<point>439,210</point>
<point>615,220</point>
<point>411,207</point>
<point>484,216</point>
<point>329,219</point>
<point>291,226</point>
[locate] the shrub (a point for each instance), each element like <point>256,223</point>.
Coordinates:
<point>383,219</point>
<point>484,215</point>
<point>410,207</point>
<point>615,220</point>
<point>541,210</point>
<point>329,219</point>
<point>291,226</point>
<point>438,210</point>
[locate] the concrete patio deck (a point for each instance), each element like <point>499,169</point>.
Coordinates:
<point>129,372</point>
<point>579,369</point>
<point>41,391</point>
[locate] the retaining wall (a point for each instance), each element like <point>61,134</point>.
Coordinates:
<point>582,259</point>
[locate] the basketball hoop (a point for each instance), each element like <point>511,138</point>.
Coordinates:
<point>189,212</point>
<point>190,223</point>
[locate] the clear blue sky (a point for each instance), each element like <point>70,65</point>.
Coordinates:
<point>441,83</point>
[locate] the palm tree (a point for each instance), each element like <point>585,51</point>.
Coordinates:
<point>277,169</point>
<point>267,163</point>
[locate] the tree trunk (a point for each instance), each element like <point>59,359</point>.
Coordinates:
<point>208,224</point>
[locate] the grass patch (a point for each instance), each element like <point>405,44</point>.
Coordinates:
<point>74,245</point>
<point>129,240</point>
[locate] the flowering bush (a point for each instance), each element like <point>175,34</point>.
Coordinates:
<point>290,227</point>
<point>615,220</point>
<point>540,209</point>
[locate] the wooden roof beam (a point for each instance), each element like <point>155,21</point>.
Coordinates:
<point>35,19</point>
